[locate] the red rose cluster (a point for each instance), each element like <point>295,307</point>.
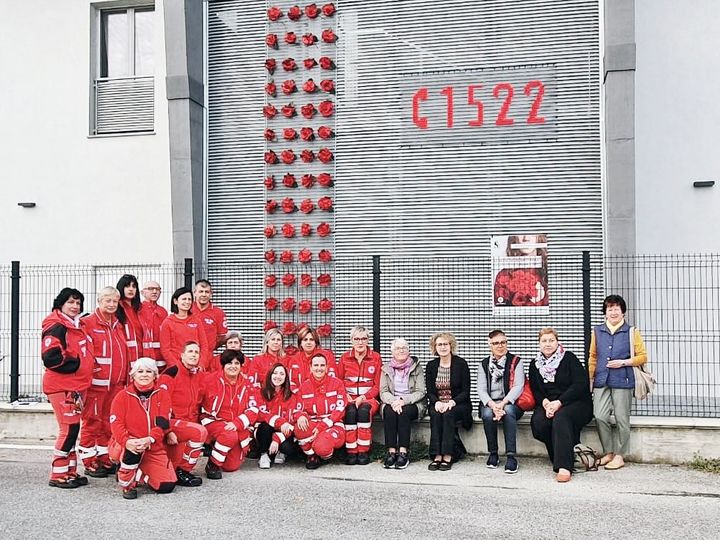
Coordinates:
<point>520,287</point>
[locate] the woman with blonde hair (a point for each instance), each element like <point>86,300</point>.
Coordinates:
<point>272,352</point>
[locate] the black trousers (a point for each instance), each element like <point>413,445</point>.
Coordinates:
<point>397,426</point>
<point>443,427</point>
<point>263,435</point>
<point>562,432</point>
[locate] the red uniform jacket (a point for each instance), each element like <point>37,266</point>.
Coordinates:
<point>134,415</point>
<point>226,402</point>
<point>175,333</point>
<point>109,349</point>
<point>151,316</point>
<point>66,355</point>
<point>187,390</point>
<point>133,332</point>
<point>298,366</point>
<point>361,378</point>
<point>259,366</point>
<point>278,411</point>
<point>214,322</point>
<point>323,401</point>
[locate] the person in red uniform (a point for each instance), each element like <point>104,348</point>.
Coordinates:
<point>183,327</point>
<point>272,352</point>
<point>68,371</point>
<point>229,411</point>
<point>234,342</point>
<point>359,369</point>
<point>319,429</point>
<point>299,363</point>
<point>277,405</point>
<point>212,317</point>
<point>185,384</point>
<point>128,315</point>
<point>140,420</point>
<point>151,316</point>
<point>110,375</point>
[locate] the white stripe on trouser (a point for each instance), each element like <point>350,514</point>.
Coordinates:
<point>125,483</point>
<point>364,425</point>
<point>301,442</point>
<point>363,442</point>
<point>129,467</point>
<point>86,453</point>
<point>245,442</point>
<point>222,447</point>
<point>59,470</point>
<point>102,450</point>
<point>350,445</point>
<point>73,463</point>
<point>195,444</point>
<point>60,453</point>
<point>218,456</point>
<point>351,427</point>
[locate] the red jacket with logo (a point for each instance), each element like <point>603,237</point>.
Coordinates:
<point>259,366</point>
<point>361,378</point>
<point>214,322</point>
<point>66,355</point>
<point>175,333</point>
<point>323,401</point>
<point>228,402</point>
<point>109,349</point>
<point>278,410</point>
<point>133,331</point>
<point>135,414</point>
<point>187,390</point>
<point>298,366</point>
<point>151,316</point>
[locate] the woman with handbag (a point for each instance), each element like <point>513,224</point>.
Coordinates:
<point>501,379</point>
<point>615,348</point>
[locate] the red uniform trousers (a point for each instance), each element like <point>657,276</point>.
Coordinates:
<point>358,426</point>
<point>152,467</point>
<point>230,446</point>
<point>191,437</point>
<point>326,441</point>
<point>95,434</point>
<point>64,463</point>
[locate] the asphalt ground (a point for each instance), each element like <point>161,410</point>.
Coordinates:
<point>339,501</point>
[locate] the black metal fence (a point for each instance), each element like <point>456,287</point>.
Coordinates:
<point>674,300</point>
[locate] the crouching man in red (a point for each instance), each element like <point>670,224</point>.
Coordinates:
<point>319,429</point>
<point>184,383</point>
<point>139,420</point>
<point>228,411</point>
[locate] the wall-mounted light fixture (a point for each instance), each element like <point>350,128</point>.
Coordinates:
<point>27,204</point>
<point>703,183</point>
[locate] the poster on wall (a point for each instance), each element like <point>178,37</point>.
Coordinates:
<point>520,274</point>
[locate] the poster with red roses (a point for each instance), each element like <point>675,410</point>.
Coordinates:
<point>520,274</point>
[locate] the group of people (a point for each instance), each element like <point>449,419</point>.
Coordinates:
<point>143,394</point>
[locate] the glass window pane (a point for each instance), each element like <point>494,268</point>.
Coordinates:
<point>144,40</point>
<point>114,45</point>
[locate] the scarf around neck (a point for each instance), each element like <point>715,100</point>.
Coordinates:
<point>497,368</point>
<point>548,366</point>
<point>402,368</point>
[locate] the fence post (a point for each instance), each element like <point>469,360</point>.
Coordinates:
<point>15,331</point>
<point>587,323</point>
<point>188,273</point>
<point>376,303</point>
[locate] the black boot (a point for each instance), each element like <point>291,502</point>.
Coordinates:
<point>187,479</point>
<point>212,471</point>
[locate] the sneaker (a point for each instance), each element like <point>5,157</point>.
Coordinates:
<point>402,461</point>
<point>129,493</point>
<point>351,459</point>
<point>511,465</point>
<point>187,479</point>
<point>313,462</point>
<point>363,458</point>
<point>212,470</point>
<point>390,460</point>
<point>492,461</point>
<point>64,483</point>
<point>264,462</point>
<point>279,458</point>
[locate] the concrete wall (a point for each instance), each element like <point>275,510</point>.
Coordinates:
<point>99,199</point>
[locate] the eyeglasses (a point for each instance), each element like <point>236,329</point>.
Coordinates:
<point>361,338</point>
<point>498,343</point>
<point>153,289</point>
<point>440,344</point>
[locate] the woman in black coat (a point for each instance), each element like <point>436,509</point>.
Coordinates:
<point>563,403</point>
<point>447,378</point>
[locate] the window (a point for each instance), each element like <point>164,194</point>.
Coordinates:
<point>123,81</point>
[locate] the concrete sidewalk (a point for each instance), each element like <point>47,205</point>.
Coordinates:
<point>337,501</point>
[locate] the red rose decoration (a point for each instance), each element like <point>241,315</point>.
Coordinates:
<point>289,134</point>
<point>328,36</point>
<point>271,304</point>
<point>307,206</point>
<point>271,206</point>
<point>274,13</point>
<point>270,280</point>
<point>288,329</point>
<point>269,135</point>
<point>323,229</point>
<point>288,205</point>
<point>294,13</point>
<point>288,87</point>
<point>325,132</point>
<point>324,280</point>
<point>288,280</point>
<point>271,40</point>
<point>327,85</point>
<point>306,134</point>
<point>309,63</point>
<point>328,9</point>
<point>288,157</point>
<point>269,111</point>
<point>312,11</point>
<point>325,203</point>
<point>308,156</point>
<point>290,38</point>
<point>325,180</point>
<point>307,181</point>
<point>289,64</point>
<point>289,180</point>
<point>325,305</point>
<point>271,157</point>
<point>326,62</point>
<point>325,155</point>
<point>288,304</point>
<point>305,256</point>
<point>324,330</point>
<point>325,256</point>
<point>305,229</point>
<point>286,257</point>
<point>288,230</point>
<point>270,256</point>
<point>288,111</point>
<point>308,111</point>
<point>270,231</point>
<point>309,39</point>
<point>305,280</point>
<point>271,89</point>
<point>269,183</point>
<point>270,65</point>
<point>520,287</point>
<point>309,86</point>
<point>269,325</point>
<point>305,306</point>
<point>326,108</point>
